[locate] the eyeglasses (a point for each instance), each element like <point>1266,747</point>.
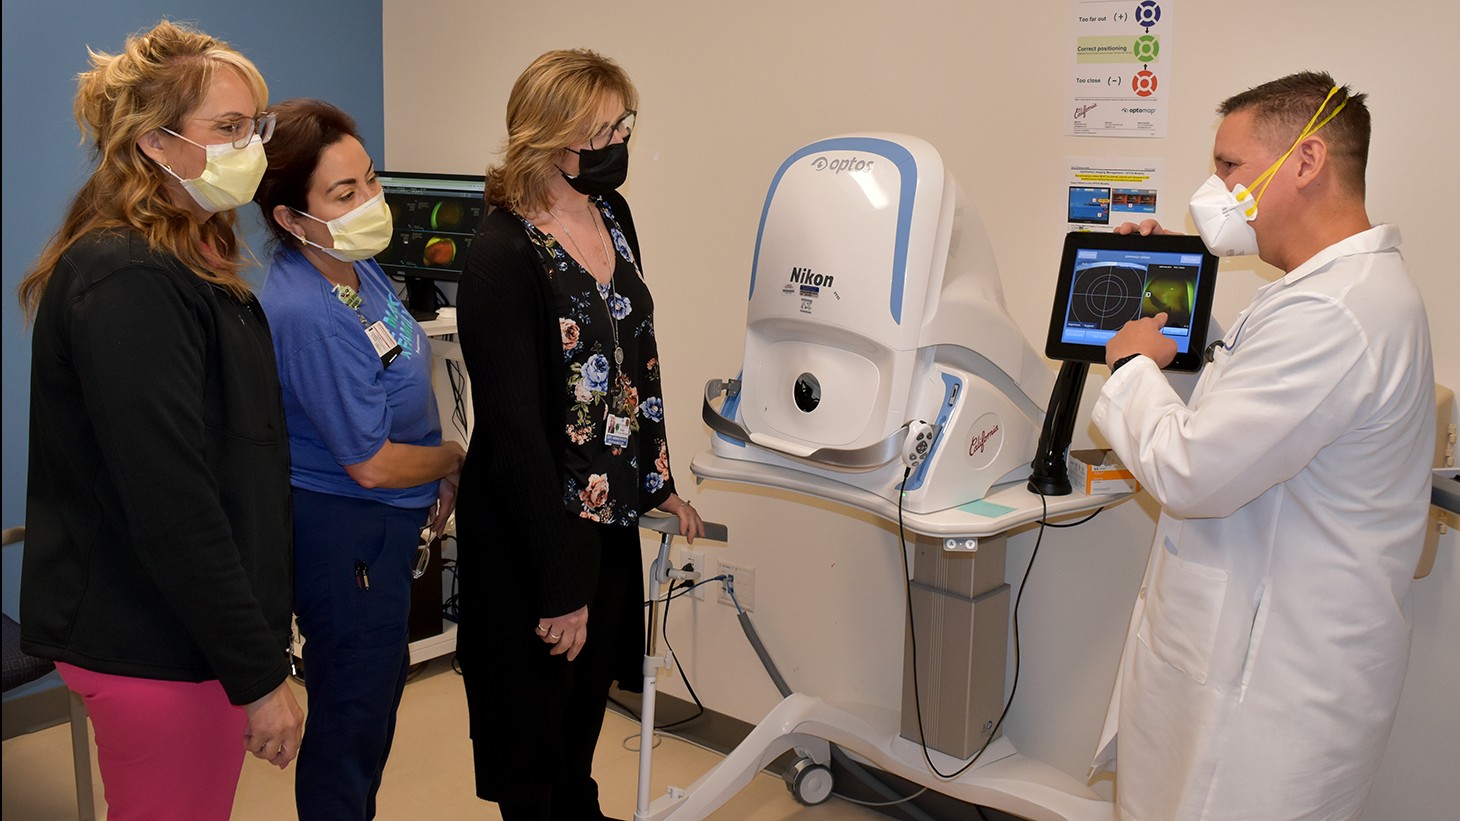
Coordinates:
<point>423,560</point>
<point>240,131</point>
<point>623,126</point>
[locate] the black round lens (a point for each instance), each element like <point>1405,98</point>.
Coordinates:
<point>808,392</point>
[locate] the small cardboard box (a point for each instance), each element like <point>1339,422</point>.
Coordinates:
<point>1099,471</point>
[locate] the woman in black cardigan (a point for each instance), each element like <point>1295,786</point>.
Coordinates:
<point>568,445</point>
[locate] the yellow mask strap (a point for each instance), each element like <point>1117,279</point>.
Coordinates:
<point>1260,184</point>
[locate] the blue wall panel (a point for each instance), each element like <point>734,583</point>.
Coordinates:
<point>329,49</point>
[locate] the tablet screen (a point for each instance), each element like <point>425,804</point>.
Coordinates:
<point>1106,280</point>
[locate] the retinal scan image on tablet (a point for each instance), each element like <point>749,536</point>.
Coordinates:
<point>1107,280</point>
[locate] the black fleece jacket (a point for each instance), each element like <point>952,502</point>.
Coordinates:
<point>158,530</point>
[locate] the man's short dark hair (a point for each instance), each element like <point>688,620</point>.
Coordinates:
<point>1282,107</point>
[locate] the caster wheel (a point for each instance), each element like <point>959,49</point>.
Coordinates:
<point>810,783</point>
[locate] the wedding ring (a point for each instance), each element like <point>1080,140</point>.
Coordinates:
<point>555,636</point>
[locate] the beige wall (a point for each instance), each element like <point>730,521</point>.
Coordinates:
<point>729,90</point>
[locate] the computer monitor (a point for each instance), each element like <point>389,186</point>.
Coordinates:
<point>435,216</point>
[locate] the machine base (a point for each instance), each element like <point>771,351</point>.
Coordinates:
<point>1005,780</point>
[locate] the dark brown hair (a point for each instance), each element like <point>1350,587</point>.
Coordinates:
<point>1282,107</point>
<point>305,128</point>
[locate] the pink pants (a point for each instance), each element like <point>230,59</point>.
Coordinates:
<point>167,749</point>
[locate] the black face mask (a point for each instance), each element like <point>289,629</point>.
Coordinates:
<point>600,170</point>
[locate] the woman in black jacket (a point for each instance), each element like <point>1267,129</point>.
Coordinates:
<point>157,558</point>
<point>568,446</point>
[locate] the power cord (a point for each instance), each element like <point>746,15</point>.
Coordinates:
<point>913,637</point>
<point>836,754</point>
<point>458,382</point>
<point>451,608</point>
<point>670,595</point>
<point>664,631</point>
<point>894,802</point>
<point>1072,524</point>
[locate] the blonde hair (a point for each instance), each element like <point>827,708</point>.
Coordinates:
<point>160,78</point>
<point>553,105</point>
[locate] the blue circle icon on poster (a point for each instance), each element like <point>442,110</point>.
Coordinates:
<point>1148,13</point>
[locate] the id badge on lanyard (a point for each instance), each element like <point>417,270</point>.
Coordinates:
<point>385,345</point>
<point>616,431</point>
<point>380,337</point>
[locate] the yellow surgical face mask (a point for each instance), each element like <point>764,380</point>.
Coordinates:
<point>360,234</point>
<point>230,177</point>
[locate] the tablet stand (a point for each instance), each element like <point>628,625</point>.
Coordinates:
<point>1051,476</point>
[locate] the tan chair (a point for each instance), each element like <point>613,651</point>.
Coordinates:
<point>47,707</point>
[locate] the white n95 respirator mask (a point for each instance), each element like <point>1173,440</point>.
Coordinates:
<point>360,234</point>
<point>1224,218</point>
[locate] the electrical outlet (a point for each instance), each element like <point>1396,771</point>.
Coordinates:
<point>744,581</point>
<point>696,558</point>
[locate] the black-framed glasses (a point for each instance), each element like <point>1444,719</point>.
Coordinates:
<point>623,126</point>
<point>240,131</point>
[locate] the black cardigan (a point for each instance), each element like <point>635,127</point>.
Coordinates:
<point>158,533</point>
<point>511,501</point>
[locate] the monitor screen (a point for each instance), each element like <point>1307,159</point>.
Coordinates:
<point>435,217</point>
<point>1089,205</point>
<point>1106,280</point>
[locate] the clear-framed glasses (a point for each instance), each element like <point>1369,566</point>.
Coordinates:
<point>423,556</point>
<point>623,126</point>
<point>240,130</point>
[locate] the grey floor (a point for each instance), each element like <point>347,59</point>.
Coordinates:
<point>429,775</point>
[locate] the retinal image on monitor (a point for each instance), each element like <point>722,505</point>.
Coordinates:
<point>1112,287</point>
<point>435,217</point>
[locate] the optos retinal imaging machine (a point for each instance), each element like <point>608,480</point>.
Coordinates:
<point>877,337</point>
<point>883,371</point>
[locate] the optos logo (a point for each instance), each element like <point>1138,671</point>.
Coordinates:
<point>838,166</point>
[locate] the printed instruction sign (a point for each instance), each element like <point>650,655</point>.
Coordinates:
<point>1120,68</point>
<point>1104,192</point>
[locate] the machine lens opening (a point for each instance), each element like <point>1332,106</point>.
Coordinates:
<point>808,392</point>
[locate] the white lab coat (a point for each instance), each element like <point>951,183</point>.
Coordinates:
<point>1269,641</point>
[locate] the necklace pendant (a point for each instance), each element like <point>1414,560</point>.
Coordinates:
<point>618,355</point>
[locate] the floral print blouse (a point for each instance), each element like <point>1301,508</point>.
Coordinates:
<point>617,455</point>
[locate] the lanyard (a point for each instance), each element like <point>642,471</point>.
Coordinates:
<point>380,338</point>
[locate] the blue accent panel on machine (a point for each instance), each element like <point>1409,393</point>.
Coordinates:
<point>952,389</point>
<point>905,163</point>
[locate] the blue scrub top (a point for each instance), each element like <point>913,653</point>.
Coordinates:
<point>341,403</point>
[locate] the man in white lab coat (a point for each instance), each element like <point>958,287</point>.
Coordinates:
<point>1269,641</point>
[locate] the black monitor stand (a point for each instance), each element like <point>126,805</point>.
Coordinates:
<point>1051,476</point>
<point>421,298</point>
